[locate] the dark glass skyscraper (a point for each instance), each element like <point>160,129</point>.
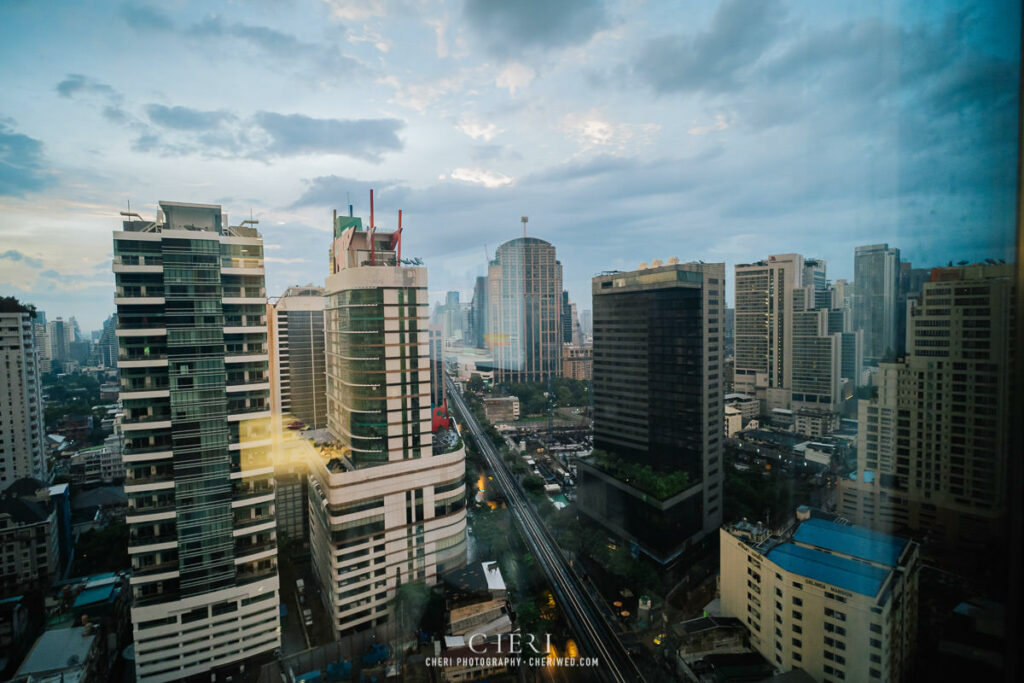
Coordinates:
<point>658,411</point>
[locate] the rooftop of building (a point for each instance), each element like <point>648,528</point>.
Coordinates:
<point>62,651</point>
<point>474,583</point>
<point>823,548</point>
<point>23,510</point>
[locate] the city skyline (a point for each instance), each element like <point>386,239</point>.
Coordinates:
<point>573,121</point>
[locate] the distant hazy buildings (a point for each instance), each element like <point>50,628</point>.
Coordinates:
<point>192,335</point>
<point>658,412</point>
<point>876,272</point>
<point>22,435</point>
<point>524,295</point>
<point>107,345</point>
<point>933,446</point>
<point>479,313</point>
<point>297,357</point>
<point>836,601</point>
<point>387,503</point>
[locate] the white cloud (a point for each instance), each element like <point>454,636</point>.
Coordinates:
<point>420,96</point>
<point>369,35</point>
<point>719,124</point>
<point>489,179</point>
<point>592,131</point>
<point>357,10</point>
<point>515,76</point>
<point>279,259</point>
<point>440,27</point>
<point>477,130</point>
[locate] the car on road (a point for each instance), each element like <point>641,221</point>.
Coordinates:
<point>307,617</point>
<point>660,638</point>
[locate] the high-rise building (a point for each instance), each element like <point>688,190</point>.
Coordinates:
<point>107,345</point>
<point>837,601</point>
<point>876,271</point>
<point>785,353</point>
<point>478,317</point>
<point>437,388</point>
<point>524,296</point>
<point>587,322</point>
<point>60,335</point>
<point>452,317</point>
<point>658,412</point>
<point>40,329</point>
<point>387,502</point>
<point>298,374</point>
<point>817,364</point>
<point>22,430</point>
<point>764,293</point>
<point>933,446</point>
<point>911,284</point>
<point>566,321</point>
<point>192,356</point>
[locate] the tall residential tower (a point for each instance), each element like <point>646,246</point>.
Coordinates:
<point>22,435</point>
<point>192,355</point>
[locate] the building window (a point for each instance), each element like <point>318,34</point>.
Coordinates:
<point>797,601</point>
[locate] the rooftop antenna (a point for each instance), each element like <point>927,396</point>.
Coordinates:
<point>524,219</point>
<point>373,252</point>
<point>399,236</point>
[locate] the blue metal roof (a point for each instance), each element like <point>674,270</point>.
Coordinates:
<point>851,540</point>
<point>850,575</point>
<point>93,595</point>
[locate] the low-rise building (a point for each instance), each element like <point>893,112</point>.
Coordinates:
<point>477,601</point>
<point>14,627</point>
<point>814,422</point>
<point>64,655</point>
<point>837,601</point>
<point>748,406</point>
<point>733,421</point>
<point>99,464</point>
<point>502,409</point>
<point>30,547</point>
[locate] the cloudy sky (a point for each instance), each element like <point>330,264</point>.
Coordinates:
<point>626,130</point>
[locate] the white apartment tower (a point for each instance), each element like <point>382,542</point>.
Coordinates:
<point>192,355</point>
<point>387,504</point>
<point>785,352</point>
<point>22,437</point>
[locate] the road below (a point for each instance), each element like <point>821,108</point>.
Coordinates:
<point>593,634</point>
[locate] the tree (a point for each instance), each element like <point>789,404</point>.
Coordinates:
<point>475,383</point>
<point>533,484</point>
<point>10,304</point>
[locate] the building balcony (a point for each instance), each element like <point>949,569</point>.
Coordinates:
<point>154,569</point>
<point>241,524</point>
